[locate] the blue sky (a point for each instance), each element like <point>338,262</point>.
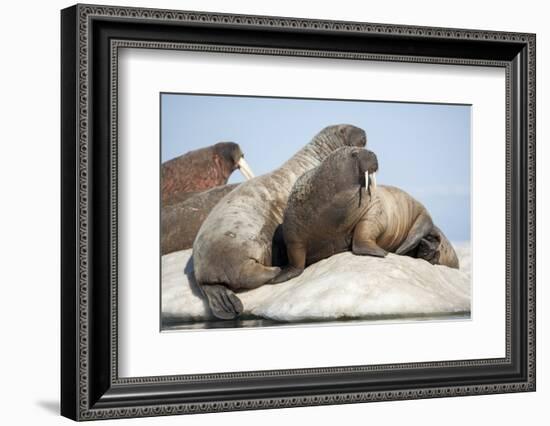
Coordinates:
<point>422,148</point>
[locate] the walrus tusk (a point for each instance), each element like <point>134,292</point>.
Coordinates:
<point>245,169</point>
<point>372,178</point>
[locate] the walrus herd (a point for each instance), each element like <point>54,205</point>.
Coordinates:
<point>324,200</point>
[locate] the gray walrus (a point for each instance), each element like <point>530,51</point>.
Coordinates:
<point>180,221</point>
<point>337,207</point>
<point>233,249</point>
<point>200,170</point>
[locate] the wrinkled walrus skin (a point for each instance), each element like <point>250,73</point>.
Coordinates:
<point>396,222</point>
<point>335,207</point>
<point>199,170</point>
<point>180,222</point>
<point>233,249</point>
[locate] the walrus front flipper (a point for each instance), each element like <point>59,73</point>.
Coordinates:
<point>286,274</point>
<point>421,227</point>
<point>297,262</point>
<point>367,248</point>
<point>254,274</point>
<point>223,303</point>
<point>364,240</point>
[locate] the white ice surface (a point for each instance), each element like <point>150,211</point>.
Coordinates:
<point>342,286</point>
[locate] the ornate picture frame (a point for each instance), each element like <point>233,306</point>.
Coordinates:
<point>90,384</point>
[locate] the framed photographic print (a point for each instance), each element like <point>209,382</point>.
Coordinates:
<point>263,212</point>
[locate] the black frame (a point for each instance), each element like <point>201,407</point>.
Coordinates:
<point>90,386</point>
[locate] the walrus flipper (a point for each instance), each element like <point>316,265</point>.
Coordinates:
<point>223,303</point>
<point>286,274</point>
<point>364,239</point>
<point>254,274</point>
<point>421,227</point>
<point>428,249</point>
<point>367,248</point>
<point>443,251</point>
<point>297,252</point>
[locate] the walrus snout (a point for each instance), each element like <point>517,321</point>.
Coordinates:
<point>368,166</point>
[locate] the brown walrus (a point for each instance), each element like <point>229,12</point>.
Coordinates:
<point>233,249</point>
<point>200,170</point>
<point>180,222</point>
<point>337,207</point>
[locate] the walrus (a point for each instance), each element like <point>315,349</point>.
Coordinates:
<point>200,170</point>
<point>233,249</point>
<point>180,221</point>
<point>337,206</point>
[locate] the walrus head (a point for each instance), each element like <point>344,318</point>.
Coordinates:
<point>338,135</point>
<point>367,166</point>
<point>354,136</point>
<point>231,152</point>
<point>351,166</point>
<point>323,144</point>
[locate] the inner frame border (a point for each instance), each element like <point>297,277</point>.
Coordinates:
<point>116,45</point>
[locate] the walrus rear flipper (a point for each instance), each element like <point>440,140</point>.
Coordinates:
<point>223,303</point>
<point>421,227</point>
<point>445,253</point>
<point>428,249</point>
